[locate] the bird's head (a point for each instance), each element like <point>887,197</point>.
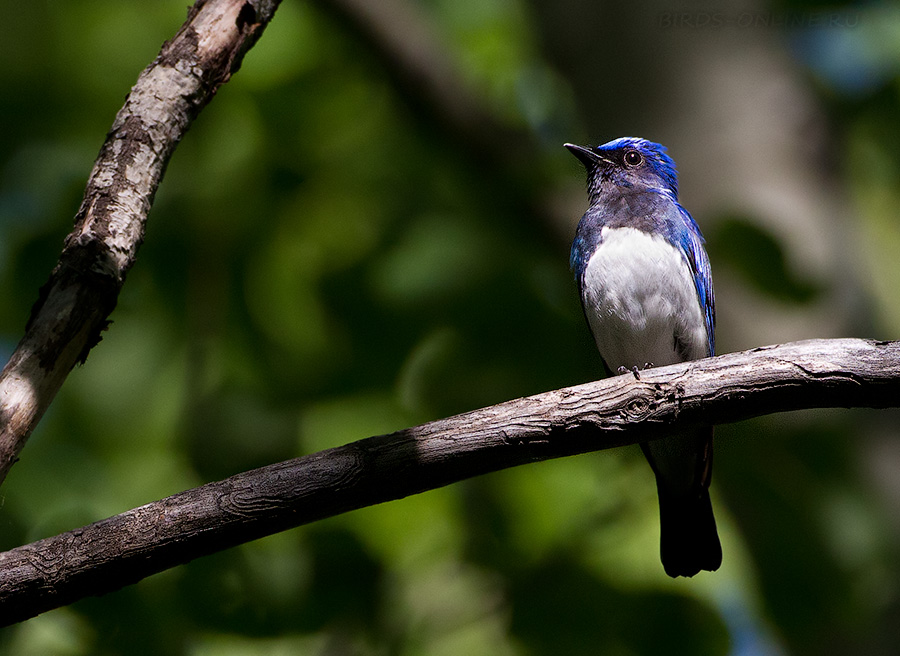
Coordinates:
<point>627,164</point>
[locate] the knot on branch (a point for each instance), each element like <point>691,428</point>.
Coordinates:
<point>643,399</point>
<point>638,408</point>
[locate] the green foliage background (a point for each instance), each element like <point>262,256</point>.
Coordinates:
<point>327,260</point>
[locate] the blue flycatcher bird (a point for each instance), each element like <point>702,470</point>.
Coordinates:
<point>646,290</point>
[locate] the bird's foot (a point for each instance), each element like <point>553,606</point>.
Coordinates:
<point>633,370</point>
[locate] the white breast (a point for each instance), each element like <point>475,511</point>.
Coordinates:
<point>641,301</point>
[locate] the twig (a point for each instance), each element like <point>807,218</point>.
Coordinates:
<point>73,305</point>
<point>123,549</point>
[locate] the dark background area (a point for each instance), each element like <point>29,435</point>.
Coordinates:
<point>338,251</point>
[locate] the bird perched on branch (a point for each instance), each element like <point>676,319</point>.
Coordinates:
<point>646,290</point>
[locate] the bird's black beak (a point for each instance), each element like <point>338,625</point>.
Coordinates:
<point>585,155</point>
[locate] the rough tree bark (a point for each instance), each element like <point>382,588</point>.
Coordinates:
<point>126,548</point>
<point>73,305</point>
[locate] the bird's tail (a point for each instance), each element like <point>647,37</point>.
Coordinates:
<point>688,538</point>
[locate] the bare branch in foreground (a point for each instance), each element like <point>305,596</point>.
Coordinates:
<point>123,549</point>
<point>73,305</point>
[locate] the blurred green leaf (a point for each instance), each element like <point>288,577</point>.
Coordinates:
<point>756,255</point>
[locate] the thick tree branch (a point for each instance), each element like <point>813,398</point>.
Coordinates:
<point>73,305</point>
<point>126,548</point>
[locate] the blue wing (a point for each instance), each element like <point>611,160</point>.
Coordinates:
<point>587,237</point>
<point>692,246</point>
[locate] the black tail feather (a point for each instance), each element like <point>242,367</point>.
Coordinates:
<point>688,538</point>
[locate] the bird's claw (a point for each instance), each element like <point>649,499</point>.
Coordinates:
<point>634,370</point>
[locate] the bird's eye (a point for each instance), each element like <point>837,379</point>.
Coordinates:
<point>633,158</point>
